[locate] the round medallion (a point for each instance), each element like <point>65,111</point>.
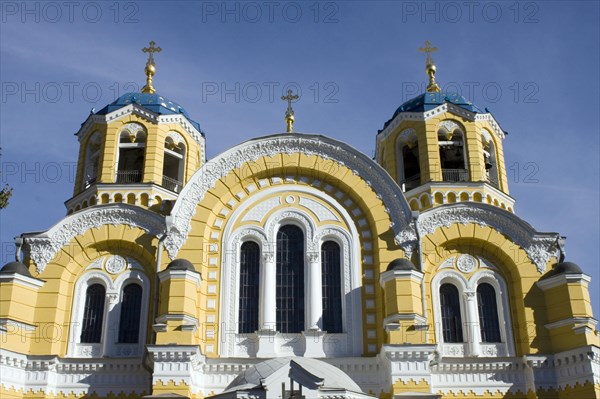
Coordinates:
<point>466,263</point>
<point>289,199</point>
<point>115,264</point>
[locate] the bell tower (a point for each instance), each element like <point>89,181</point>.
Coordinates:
<point>441,148</point>
<point>140,149</point>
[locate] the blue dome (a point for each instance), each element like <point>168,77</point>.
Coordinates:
<point>153,102</point>
<point>429,101</point>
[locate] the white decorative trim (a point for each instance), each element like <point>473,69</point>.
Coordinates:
<point>187,319</point>
<point>258,212</point>
<point>244,345</point>
<point>471,321</point>
<point>43,247</point>
<point>322,213</point>
<point>466,263</point>
<point>450,126</point>
<point>138,110</point>
<point>190,275</point>
<point>177,138</point>
<point>540,247</point>
<point>388,275</point>
<point>109,345</point>
<point>115,264</point>
<point>446,107</point>
<point>342,154</point>
<point>575,321</point>
<point>55,376</point>
<point>21,327</point>
<point>560,279</point>
<point>17,278</point>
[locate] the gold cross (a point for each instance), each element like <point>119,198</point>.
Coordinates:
<point>151,50</point>
<point>289,113</point>
<point>428,49</point>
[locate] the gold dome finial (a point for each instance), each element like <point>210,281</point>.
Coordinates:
<point>430,66</point>
<point>289,113</point>
<point>150,67</point>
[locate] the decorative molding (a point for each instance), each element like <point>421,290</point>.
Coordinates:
<point>43,247</point>
<point>560,279</point>
<point>55,375</point>
<point>18,278</point>
<point>259,211</point>
<point>540,247</point>
<point>204,179</point>
<point>466,263</point>
<point>320,210</point>
<point>138,110</point>
<point>115,264</point>
<point>450,126</point>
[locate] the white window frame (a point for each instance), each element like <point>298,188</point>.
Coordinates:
<point>109,345</point>
<point>470,322</point>
<point>348,343</point>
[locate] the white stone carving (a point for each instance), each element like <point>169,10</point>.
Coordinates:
<point>540,247</point>
<point>261,209</point>
<point>323,214</point>
<point>133,128</point>
<point>342,154</point>
<point>466,263</point>
<point>115,264</point>
<point>177,138</point>
<point>450,126</point>
<point>44,247</point>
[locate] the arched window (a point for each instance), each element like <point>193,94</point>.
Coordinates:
<point>452,154</point>
<point>129,323</point>
<point>132,146</point>
<point>93,313</point>
<point>92,155</point>
<point>488,313</point>
<point>411,167</point>
<point>451,320</point>
<point>290,279</point>
<point>249,277</point>
<point>489,157</point>
<point>173,164</point>
<point>332,287</point>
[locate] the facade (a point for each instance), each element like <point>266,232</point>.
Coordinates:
<point>293,265</point>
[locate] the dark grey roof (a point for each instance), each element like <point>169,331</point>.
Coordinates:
<point>401,264</point>
<point>181,264</point>
<point>564,268</point>
<point>16,267</point>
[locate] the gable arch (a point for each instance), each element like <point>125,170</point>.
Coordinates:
<point>241,164</point>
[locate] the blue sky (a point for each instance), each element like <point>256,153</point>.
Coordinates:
<point>535,65</point>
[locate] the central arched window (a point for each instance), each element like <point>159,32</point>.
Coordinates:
<point>129,323</point>
<point>93,314</point>
<point>290,279</point>
<point>249,278</point>
<point>488,313</point>
<point>332,287</point>
<point>451,319</point>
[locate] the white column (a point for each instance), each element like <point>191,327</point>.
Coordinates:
<point>315,293</point>
<point>268,293</point>
<point>472,322</point>
<point>267,318</point>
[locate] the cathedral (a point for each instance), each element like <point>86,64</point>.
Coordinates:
<point>293,266</point>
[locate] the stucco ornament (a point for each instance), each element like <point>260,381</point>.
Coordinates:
<point>45,246</point>
<point>115,264</point>
<point>339,153</point>
<point>540,247</point>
